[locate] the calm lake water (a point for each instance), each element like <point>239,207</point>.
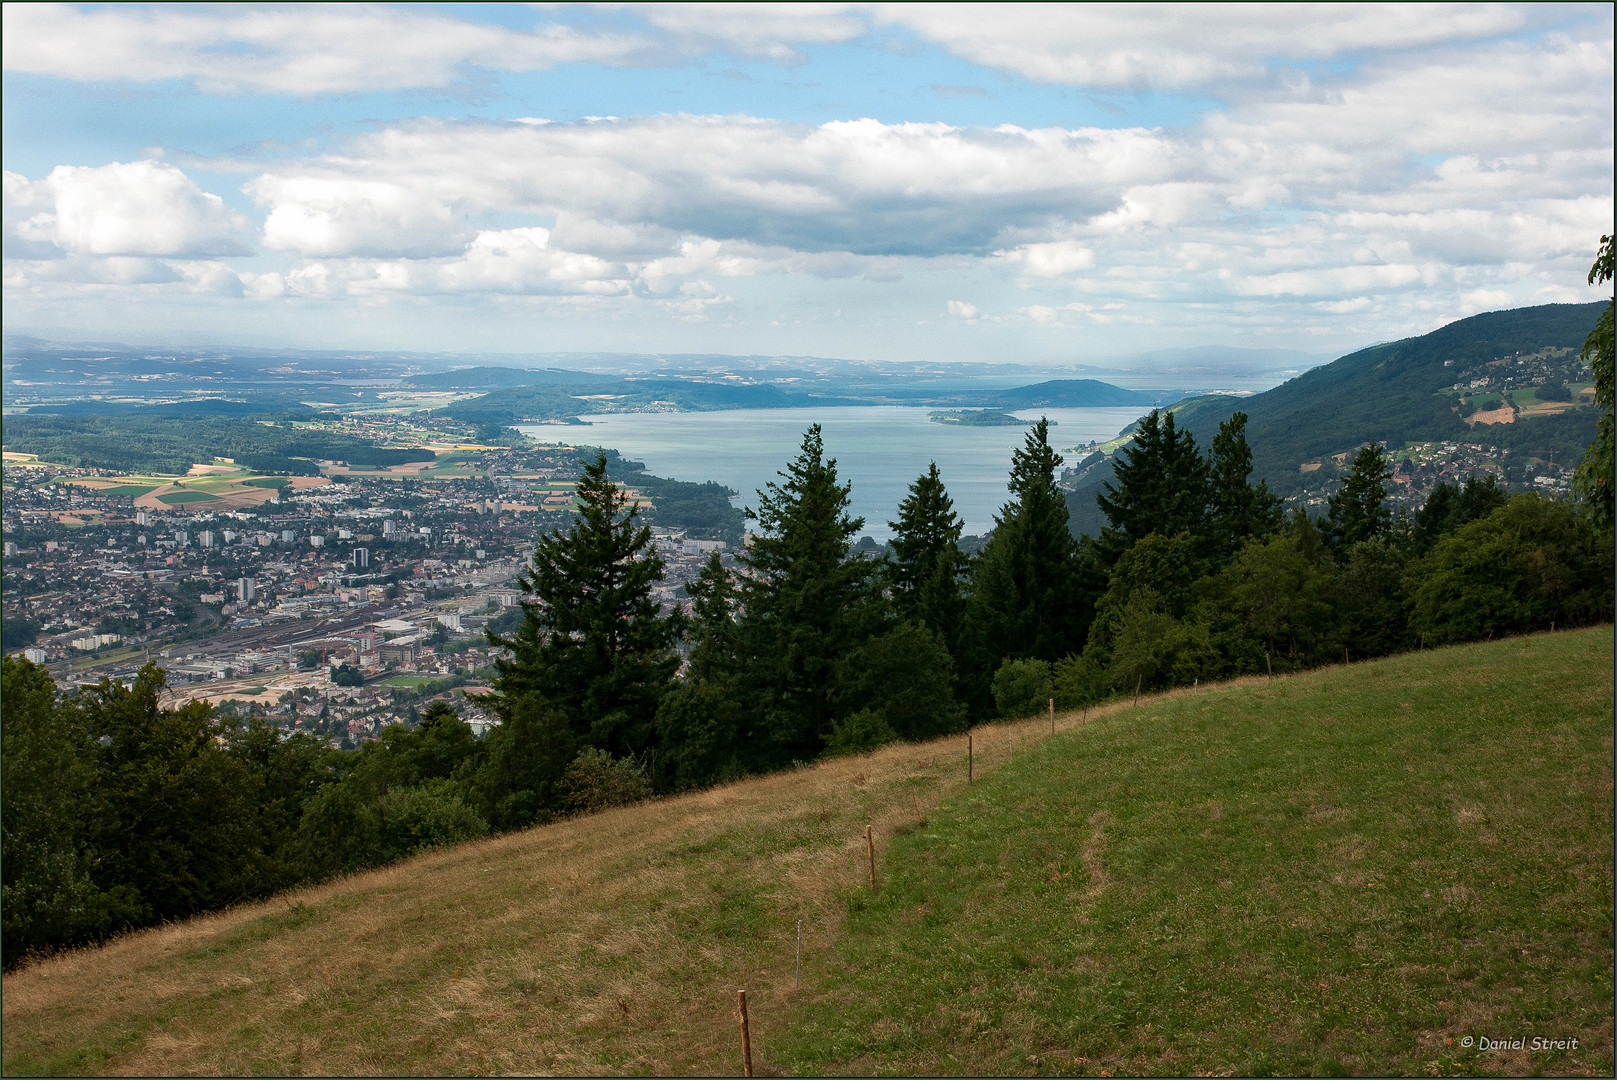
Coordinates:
<point>880,449</point>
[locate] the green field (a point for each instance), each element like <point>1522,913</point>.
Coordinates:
<point>267,482</point>
<point>1346,873</point>
<point>185,496</point>
<point>409,681</point>
<point>132,490</point>
<point>1349,871</point>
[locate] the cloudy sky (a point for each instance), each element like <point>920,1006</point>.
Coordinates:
<point>860,180</point>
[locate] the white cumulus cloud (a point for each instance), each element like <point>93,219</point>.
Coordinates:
<point>335,215</point>
<point>141,208</point>
<point>301,50</point>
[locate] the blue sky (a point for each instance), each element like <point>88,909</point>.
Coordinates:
<point>1039,183</point>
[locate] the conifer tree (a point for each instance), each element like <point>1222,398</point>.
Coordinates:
<point>1448,507</point>
<point>804,602</point>
<point>1162,487</point>
<point>713,611</point>
<point>927,563</point>
<point>1237,508</point>
<point>592,644</point>
<point>1358,509</point>
<point>701,736</point>
<point>1023,598</point>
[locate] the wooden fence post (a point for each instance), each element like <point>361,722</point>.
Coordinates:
<point>968,757</point>
<point>1052,716</point>
<point>870,853</point>
<point>1137,683</point>
<point>746,1036</point>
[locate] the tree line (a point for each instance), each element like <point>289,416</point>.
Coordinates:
<point>119,813</point>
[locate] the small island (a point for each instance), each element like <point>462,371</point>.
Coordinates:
<point>980,418</point>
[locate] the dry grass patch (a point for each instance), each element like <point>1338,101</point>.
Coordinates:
<point>606,944</point>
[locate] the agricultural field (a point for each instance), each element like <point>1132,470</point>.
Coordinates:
<point>221,487</point>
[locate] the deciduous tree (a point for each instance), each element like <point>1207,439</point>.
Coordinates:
<point>1594,483</point>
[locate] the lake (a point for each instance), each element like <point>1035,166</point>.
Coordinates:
<point>880,449</point>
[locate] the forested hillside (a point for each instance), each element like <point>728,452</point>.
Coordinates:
<point>1071,394</point>
<point>1394,393</point>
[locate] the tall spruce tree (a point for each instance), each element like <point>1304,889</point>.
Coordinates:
<point>1237,509</point>
<point>1358,510</point>
<point>713,609</point>
<point>1023,601</point>
<point>805,603</point>
<point>1162,487</point>
<point>927,564</point>
<point>592,644</point>
<point>701,727</point>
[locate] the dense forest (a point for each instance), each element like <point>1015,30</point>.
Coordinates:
<point>118,813</point>
<point>153,442</point>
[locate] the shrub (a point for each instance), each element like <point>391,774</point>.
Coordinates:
<point>341,831</point>
<point>1529,563</point>
<point>596,780</point>
<point>860,733</point>
<point>1155,650</point>
<point>1079,681</point>
<point>1022,687</point>
<point>904,676</point>
<point>410,820</point>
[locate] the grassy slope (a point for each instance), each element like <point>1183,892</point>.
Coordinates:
<point>1337,871</point>
<point>1345,872</point>
<point>611,943</point>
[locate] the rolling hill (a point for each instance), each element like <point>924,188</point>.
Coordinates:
<point>1392,392</point>
<point>1348,871</point>
<point>1072,394</point>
